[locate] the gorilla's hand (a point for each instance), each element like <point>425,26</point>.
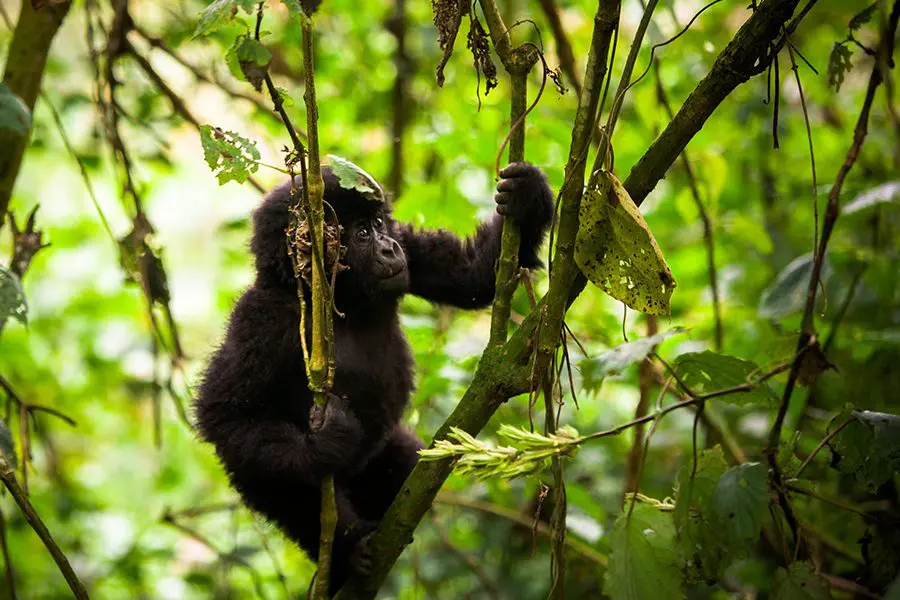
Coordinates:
<point>337,433</point>
<point>523,195</point>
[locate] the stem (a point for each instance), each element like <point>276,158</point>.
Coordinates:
<point>518,62</point>
<point>8,475</point>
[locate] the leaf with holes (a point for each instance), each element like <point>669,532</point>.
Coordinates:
<point>707,371</point>
<point>231,156</point>
<point>7,445</point>
<point>838,65</point>
<point>614,360</point>
<point>12,297</point>
<point>615,249</point>
<point>741,503</point>
<point>353,177</point>
<point>644,561</point>
<point>14,115</point>
<point>799,582</point>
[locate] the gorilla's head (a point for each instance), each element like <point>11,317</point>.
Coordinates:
<point>377,270</point>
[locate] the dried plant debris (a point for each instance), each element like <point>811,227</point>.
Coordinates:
<point>300,245</point>
<point>447,17</point>
<point>480,45</point>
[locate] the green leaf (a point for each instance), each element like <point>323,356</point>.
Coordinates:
<point>799,583</point>
<point>7,445</point>
<point>248,60</point>
<point>883,194</point>
<point>838,65</point>
<point>881,550</point>
<point>644,561</point>
<point>741,503</point>
<point>787,295</point>
<point>698,532</point>
<point>707,371</point>
<point>14,115</point>
<point>353,177</point>
<point>12,297</point>
<point>220,13</point>
<point>868,447</point>
<point>614,360</point>
<point>615,249</point>
<point>231,157</point>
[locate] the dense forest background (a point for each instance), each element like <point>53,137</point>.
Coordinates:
<point>106,329</point>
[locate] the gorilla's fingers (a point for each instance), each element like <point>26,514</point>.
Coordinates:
<point>518,169</point>
<point>511,185</point>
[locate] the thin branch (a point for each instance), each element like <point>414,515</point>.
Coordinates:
<point>489,585</point>
<point>822,444</point>
<point>8,476</point>
<point>583,549</point>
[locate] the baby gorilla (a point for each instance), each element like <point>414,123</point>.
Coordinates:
<point>254,404</point>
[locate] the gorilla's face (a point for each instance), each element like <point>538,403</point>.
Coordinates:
<point>377,262</point>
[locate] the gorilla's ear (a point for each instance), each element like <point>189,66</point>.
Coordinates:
<point>270,221</point>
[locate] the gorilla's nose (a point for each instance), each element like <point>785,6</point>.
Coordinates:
<point>391,250</point>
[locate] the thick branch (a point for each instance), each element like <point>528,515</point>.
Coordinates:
<point>25,63</point>
<point>748,54</point>
<point>503,371</point>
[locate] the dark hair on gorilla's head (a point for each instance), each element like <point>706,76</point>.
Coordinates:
<point>271,219</point>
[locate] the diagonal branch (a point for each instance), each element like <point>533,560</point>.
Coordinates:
<point>504,371</point>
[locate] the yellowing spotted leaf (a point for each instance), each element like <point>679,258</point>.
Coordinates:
<point>615,249</point>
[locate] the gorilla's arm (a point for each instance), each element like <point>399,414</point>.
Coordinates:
<point>448,270</point>
<point>253,402</point>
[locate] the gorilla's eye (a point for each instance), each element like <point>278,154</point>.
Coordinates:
<point>378,222</point>
<point>363,233</point>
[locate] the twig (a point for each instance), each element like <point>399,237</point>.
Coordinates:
<point>8,476</point>
<point>228,557</point>
<point>822,444</point>
<point>7,560</point>
<point>489,585</point>
<point>563,46</point>
<point>585,550</point>
<point>832,211</point>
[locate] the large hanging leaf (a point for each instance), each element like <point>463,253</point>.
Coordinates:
<point>7,446</point>
<point>644,563</point>
<point>12,297</point>
<point>14,115</point>
<point>614,360</point>
<point>615,249</point>
<point>705,372</point>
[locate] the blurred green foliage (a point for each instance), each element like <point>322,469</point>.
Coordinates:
<point>140,521</point>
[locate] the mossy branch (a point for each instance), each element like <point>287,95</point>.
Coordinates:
<point>504,371</point>
<point>25,63</point>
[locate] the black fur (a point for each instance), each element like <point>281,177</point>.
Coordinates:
<point>254,404</point>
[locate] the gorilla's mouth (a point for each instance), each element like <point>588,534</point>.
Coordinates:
<point>391,272</point>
